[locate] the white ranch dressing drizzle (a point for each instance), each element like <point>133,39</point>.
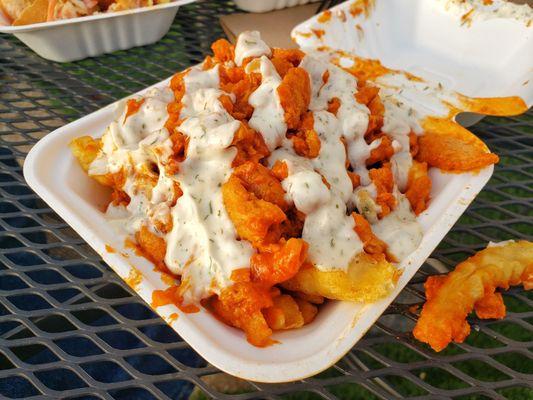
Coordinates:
<point>131,144</point>
<point>352,116</point>
<point>268,117</point>
<point>400,229</point>
<point>249,44</point>
<point>202,246</point>
<point>407,102</point>
<point>327,229</point>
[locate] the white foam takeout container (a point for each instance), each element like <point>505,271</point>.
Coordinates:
<point>485,58</point>
<point>77,38</point>
<point>260,6</point>
<point>54,174</point>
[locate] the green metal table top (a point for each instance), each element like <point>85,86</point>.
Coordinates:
<point>69,327</point>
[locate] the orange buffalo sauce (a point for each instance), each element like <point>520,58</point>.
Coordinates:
<point>324,17</point>
<point>109,249</point>
<point>500,106</point>
<point>241,275</point>
<point>172,317</point>
<point>366,68</point>
<point>132,106</point>
<point>318,32</point>
<point>171,296</point>
<point>130,244</point>
<point>134,278</point>
<point>361,6</point>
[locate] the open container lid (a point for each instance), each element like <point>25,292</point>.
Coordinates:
<point>479,53</point>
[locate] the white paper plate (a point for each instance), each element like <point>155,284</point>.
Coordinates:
<point>76,38</point>
<point>487,58</point>
<point>54,174</point>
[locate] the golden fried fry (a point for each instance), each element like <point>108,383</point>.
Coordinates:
<point>85,149</point>
<point>152,246</point>
<point>280,264</point>
<point>294,94</point>
<point>34,13</point>
<point>450,147</point>
<point>253,218</point>
<point>284,314</point>
<point>371,243</point>
<point>240,305</point>
<point>471,285</point>
<point>418,186</point>
<point>308,310</point>
<point>512,105</point>
<point>366,280</point>
<point>310,298</point>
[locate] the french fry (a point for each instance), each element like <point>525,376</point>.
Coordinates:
<point>450,147</point>
<point>284,314</point>
<point>13,8</point>
<point>33,14</point>
<point>85,149</point>
<point>471,286</point>
<point>418,187</point>
<point>307,309</point>
<point>311,298</point>
<point>366,280</point>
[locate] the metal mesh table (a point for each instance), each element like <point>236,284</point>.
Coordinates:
<point>69,327</point>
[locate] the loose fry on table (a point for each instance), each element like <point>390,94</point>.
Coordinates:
<point>471,286</point>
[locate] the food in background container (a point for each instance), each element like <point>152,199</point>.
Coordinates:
<point>120,27</point>
<point>25,12</point>
<point>266,179</point>
<point>14,8</point>
<point>260,6</point>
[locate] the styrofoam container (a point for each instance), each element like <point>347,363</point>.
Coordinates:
<point>76,38</point>
<point>485,58</point>
<point>260,6</point>
<point>54,174</point>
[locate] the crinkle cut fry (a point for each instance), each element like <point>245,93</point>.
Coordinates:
<point>471,286</point>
